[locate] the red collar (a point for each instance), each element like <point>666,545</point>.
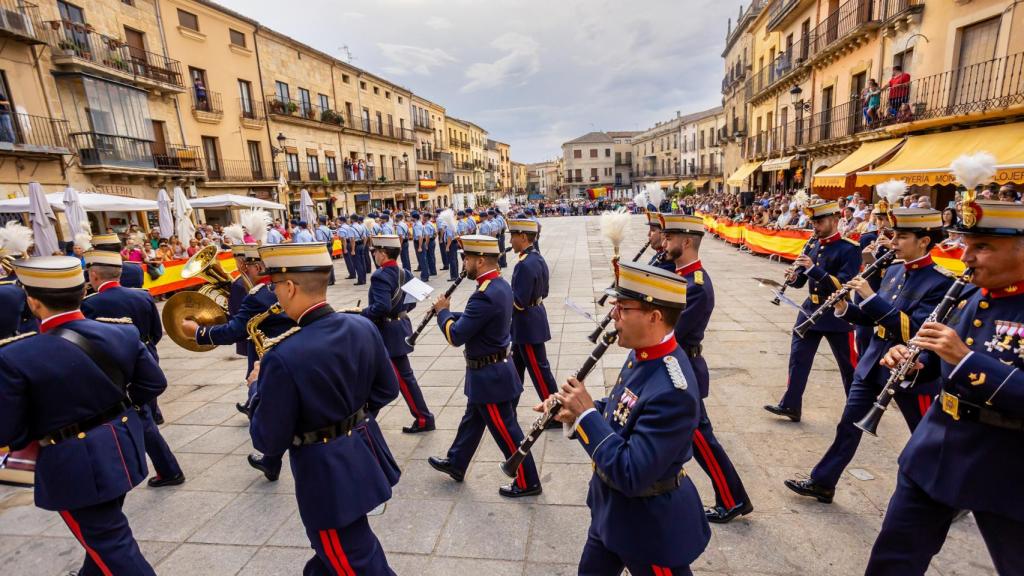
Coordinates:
<point>657,351</point>
<point>263,279</point>
<point>388,264</point>
<point>833,238</point>
<point>310,309</point>
<point>689,268</point>
<point>1015,289</point>
<point>922,262</point>
<point>108,285</point>
<point>59,319</point>
<point>487,276</point>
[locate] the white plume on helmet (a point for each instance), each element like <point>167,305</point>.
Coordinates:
<point>655,194</point>
<point>502,204</point>
<point>15,238</point>
<point>235,234</point>
<point>613,226</point>
<point>891,191</point>
<point>83,238</point>
<point>256,222</point>
<point>447,217</point>
<point>974,169</point>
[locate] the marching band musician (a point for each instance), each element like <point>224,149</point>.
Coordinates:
<point>323,413</point>
<point>832,262</point>
<point>965,453</point>
<point>430,229</point>
<point>131,272</point>
<point>93,375</point>
<point>359,237</point>
<point>492,386</point>
<point>909,292</point>
<point>500,226</point>
<point>657,240</point>
<point>112,301</point>
<point>645,512</point>
<point>403,231</point>
<point>529,317</point>
<point>389,313</point>
<point>682,236</point>
<point>15,316</point>
<point>876,236</point>
<point>239,289</point>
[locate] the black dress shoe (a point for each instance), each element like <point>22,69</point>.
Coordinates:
<point>350,277</point>
<point>359,283</point>
<point>810,488</point>
<point>513,491</point>
<point>158,482</point>
<point>158,419</point>
<point>416,428</point>
<point>243,408</point>
<point>779,410</point>
<point>257,463</point>
<point>444,465</point>
<point>721,515</point>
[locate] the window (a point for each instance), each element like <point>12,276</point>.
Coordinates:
<point>387,94</point>
<point>345,78</point>
<point>293,165</point>
<point>376,90</point>
<point>366,119</point>
<point>332,168</point>
<point>607,152</point>
<point>362,85</point>
<point>281,90</point>
<point>245,98</point>
<point>128,2</point>
<point>380,123</point>
<point>579,175</point>
<point>255,160</point>
<point>313,166</point>
<point>593,174</point>
<point>212,156</point>
<point>400,100</point>
<point>324,103</point>
<point>305,104</point>
<point>237,38</point>
<point>593,152</point>
<point>188,20</point>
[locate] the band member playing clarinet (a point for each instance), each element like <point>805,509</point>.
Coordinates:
<point>645,513</point>
<point>966,452</point>
<point>389,312</point>
<point>492,385</point>
<point>909,292</point>
<point>832,262</point>
<point>657,240</point>
<point>683,236</point>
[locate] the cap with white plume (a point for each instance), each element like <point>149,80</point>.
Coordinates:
<point>972,170</point>
<point>256,223</point>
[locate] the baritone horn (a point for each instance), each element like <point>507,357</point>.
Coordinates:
<point>206,306</point>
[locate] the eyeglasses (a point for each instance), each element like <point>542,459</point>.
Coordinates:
<point>272,285</point>
<point>619,308</point>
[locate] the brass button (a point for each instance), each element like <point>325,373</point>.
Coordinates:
<point>124,418</point>
<point>978,323</point>
<point>970,341</point>
<point>81,435</point>
<point>983,305</point>
<point>630,365</point>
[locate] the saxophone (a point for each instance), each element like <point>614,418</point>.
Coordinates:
<point>252,328</point>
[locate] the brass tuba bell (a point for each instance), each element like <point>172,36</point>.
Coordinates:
<point>206,306</point>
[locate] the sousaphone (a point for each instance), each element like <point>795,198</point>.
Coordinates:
<point>206,306</point>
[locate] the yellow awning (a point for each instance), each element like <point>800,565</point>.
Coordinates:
<point>775,164</point>
<point>869,153</point>
<point>697,182</point>
<point>924,160</point>
<point>666,183</point>
<point>739,177</point>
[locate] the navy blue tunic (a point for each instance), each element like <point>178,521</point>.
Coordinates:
<point>529,288</point>
<point>386,307</point>
<point>836,261</point>
<point>115,301</point>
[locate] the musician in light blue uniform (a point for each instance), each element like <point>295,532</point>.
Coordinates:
<point>420,242</point>
<point>345,234</point>
<point>402,230</point>
<point>430,229</point>
<point>359,259</point>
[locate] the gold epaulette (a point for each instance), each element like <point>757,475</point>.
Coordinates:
<point>946,272</point>
<point>121,320</point>
<point>271,342</point>
<point>6,282</point>
<point>255,289</point>
<point>7,341</point>
<point>483,286</point>
<point>698,277</point>
<point>852,241</point>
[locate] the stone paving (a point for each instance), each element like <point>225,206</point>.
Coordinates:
<point>227,520</point>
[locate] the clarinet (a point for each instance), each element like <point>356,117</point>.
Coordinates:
<point>511,466</point>
<point>793,270</point>
<point>604,297</point>
<point>875,267</point>
<point>411,339</point>
<point>870,421</point>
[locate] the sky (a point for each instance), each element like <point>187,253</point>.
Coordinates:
<point>533,73</point>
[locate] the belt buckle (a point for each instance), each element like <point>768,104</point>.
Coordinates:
<point>951,405</point>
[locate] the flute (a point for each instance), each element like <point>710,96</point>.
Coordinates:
<point>511,466</point>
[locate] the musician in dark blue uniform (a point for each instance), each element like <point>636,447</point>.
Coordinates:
<point>111,301</point>
<point>683,235</point>
<point>390,314</point>
<point>965,453</point>
<point>320,386</point>
<point>645,513</point>
<point>529,318</point>
<point>239,290</point>
<point>660,259</point>
<point>911,289</point>
<point>831,262</point>
<point>492,387</point>
<point>15,317</point>
<point>93,376</point>
<point>132,273</point>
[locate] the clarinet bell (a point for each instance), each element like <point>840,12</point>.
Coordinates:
<point>511,466</point>
<point>869,423</point>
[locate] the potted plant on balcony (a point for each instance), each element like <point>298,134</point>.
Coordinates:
<point>292,107</point>
<point>276,107</point>
<point>310,114</point>
<point>324,180</point>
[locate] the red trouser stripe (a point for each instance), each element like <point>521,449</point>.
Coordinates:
<point>404,387</point>
<point>661,571</point>
<point>325,542</point>
<point>121,454</point>
<point>492,409</point>
<point>716,471</point>
<point>341,554</point>
<point>924,401</point>
<point>853,349</point>
<point>537,376</point>
<point>77,531</point>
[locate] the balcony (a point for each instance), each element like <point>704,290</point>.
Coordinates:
<point>232,172</point>
<point>20,21</point>
<point>34,136</point>
<point>423,125</point>
<point>206,106</point>
<point>464,165</point>
<point>445,177</point>
<point>106,152</point>
<point>304,113</point>
<point>252,114</point>
<point>779,11</point>
<point>624,161</point>
<point>78,47</point>
<point>426,155</point>
<point>373,127</point>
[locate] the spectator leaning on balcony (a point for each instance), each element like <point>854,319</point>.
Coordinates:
<point>872,99</point>
<point>899,90</point>
<point>6,125</point>
<point>201,99</point>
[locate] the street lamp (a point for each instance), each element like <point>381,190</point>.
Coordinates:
<point>796,96</point>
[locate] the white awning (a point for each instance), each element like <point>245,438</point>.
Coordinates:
<point>234,201</point>
<point>91,202</point>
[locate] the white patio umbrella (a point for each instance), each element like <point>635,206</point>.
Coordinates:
<point>78,222</point>
<point>183,215</point>
<point>307,210</point>
<point>43,219</point>
<point>163,202</point>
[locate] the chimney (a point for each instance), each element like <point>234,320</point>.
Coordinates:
<point>728,29</point>
<point>678,113</point>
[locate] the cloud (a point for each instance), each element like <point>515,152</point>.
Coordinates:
<point>438,23</point>
<point>404,59</point>
<point>521,61</point>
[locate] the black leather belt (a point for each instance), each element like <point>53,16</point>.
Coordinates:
<point>328,433</point>
<point>79,429</point>
<point>693,351</point>
<point>960,409</point>
<point>657,489</point>
<point>481,361</point>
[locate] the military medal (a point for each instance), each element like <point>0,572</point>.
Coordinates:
<point>625,405</point>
